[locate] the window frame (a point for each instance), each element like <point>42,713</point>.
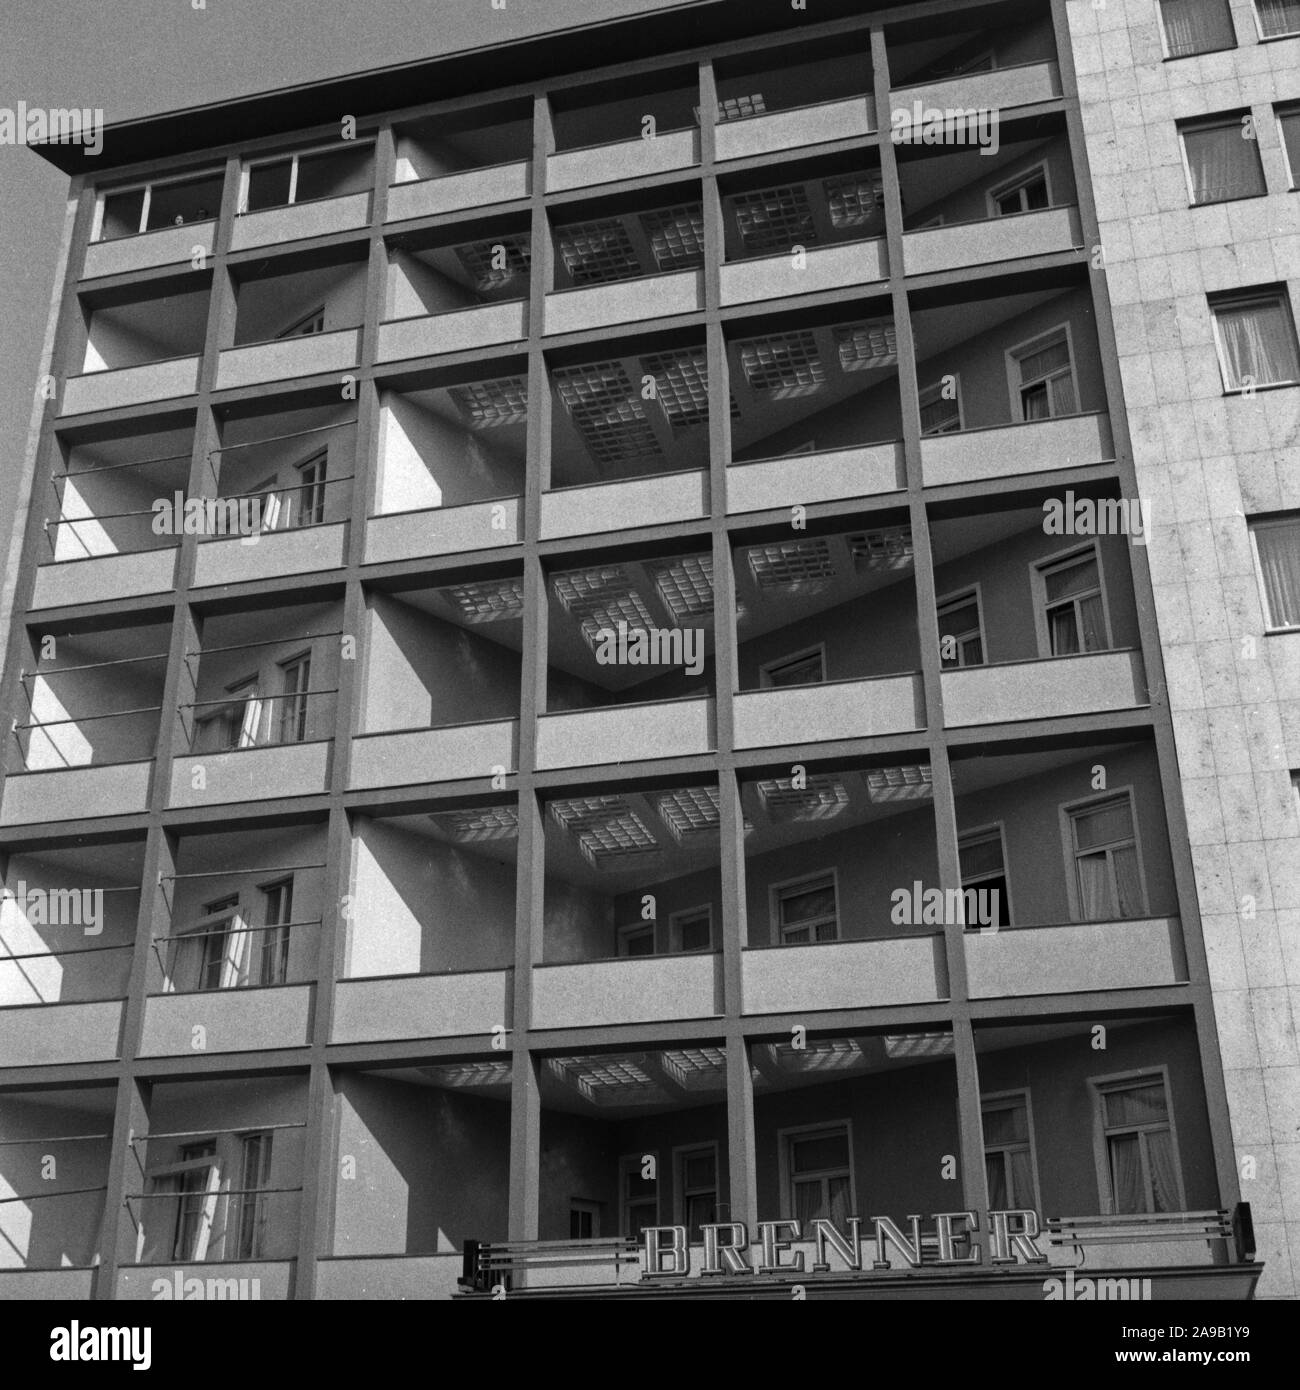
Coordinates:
<point>680,1153</point>
<point>1266,607</point>
<point>293,329</point>
<point>284,882</point>
<point>1099,1087</point>
<point>785,1167</point>
<point>631,1163</point>
<point>1204,123</point>
<point>1067,810</point>
<point>1000,1100</point>
<point>1259,27</point>
<point>987,830</point>
<point>967,591</point>
<point>289,698</point>
<point>1240,301</point>
<point>586,1206</point>
<point>252,1198</point>
<point>175,1172</point>
<point>1283,112</point>
<point>293,156</point>
<point>775,892</point>
<point>675,931</point>
<point>316,487</point>
<point>1038,569</point>
<point>1015,182</point>
<point>1016,383</point>
<point>1168,57</point>
<point>629,930</point>
<point>147,186</point>
<point>935,390</point>
<point>765,670</point>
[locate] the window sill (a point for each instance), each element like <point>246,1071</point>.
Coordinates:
<point>1262,386</point>
<point>1235,198</point>
<point>1200,53</point>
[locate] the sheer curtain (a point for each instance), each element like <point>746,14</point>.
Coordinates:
<point>1164,1176</point>
<point>1259,343</point>
<point>1279,561</point>
<point>1096,901</point>
<point>1126,1174</point>
<point>1278,17</point>
<point>1196,26</point>
<point>1223,164</point>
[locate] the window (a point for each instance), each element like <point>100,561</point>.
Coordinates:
<point>584,1219</point>
<point>983,867</point>
<point>804,668</point>
<point>807,911</point>
<point>1256,340</point>
<point>692,930</point>
<point>1043,377</point>
<point>211,956</point>
<point>697,1184</point>
<point>248,1218</point>
<point>961,637</point>
<point>1196,26</point>
<point>1222,159</point>
<point>818,1164</point>
<point>150,206</point>
<point>1072,605</point>
<point>1107,875</point>
<point>240,721</point>
<point>295,681</point>
<point>1277,556</point>
<point>637,940</point>
<point>314,322</point>
<point>1141,1171</point>
<point>1277,17</point>
<point>311,489</point>
<point>639,1195</point>
<point>194,1180</point>
<point>1008,1156</point>
<point>273,956</point>
<point>1027,193</point>
<point>940,411</point>
<point>1289,125</point>
<point>299,178</point>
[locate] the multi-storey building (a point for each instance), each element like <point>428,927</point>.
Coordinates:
<point>757,683</point>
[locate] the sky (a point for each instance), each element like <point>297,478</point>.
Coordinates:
<point>141,57</point>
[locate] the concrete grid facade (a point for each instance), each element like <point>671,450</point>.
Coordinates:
<point>367,1001</point>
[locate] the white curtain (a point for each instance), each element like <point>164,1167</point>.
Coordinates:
<point>1278,17</point>
<point>1126,1173</point>
<point>1197,26</point>
<point>1223,164</point>
<point>1279,561</point>
<point>1096,901</point>
<point>1164,1176</point>
<point>1259,343</point>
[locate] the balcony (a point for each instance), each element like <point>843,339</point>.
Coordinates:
<point>818,476</point>
<point>298,316</point>
<point>850,975</point>
<point>979,242</point>
<point>1032,446</point>
<point>430,934</point>
<point>142,344</point>
<point>442,690</point>
<point>87,745</point>
<point>628,675</point>
<point>630,129</point>
<point>259,710</point>
<point>999,89</point>
<point>627,260</point>
<point>804,94</point>
<point>287,467</point>
<point>457,290</point>
<point>53,1170</point>
<point>451,463</point>
<point>462,160</point>
<point>310,194</point>
<point>634,991</point>
<point>161,222</point>
<point>1047,689</point>
<point>1075,957</point>
<point>214,1190</point>
<point>832,710</point>
<point>824,231</point>
<point>435,1141</point>
<point>623,452</point>
<point>103,535</point>
<point>67,929</point>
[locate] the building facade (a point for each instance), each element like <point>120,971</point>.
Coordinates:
<point>699,632</point>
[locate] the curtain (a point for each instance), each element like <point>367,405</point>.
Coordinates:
<point>1126,1173</point>
<point>1063,630</point>
<point>1128,881</point>
<point>1197,26</point>
<point>1223,164</point>
<point>1279,561</point>
<point>995,1169</point>
<point>1259,343</point>
<point>1278,17</point>
<point>1022,1179</point>
<point>1096,902</point>
<point>1164,1175</point>
<point>1093,618</point>
<point>839,1200</point>
<point>807,1201</point>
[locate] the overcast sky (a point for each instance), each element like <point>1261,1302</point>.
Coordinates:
<point>141,57</point>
